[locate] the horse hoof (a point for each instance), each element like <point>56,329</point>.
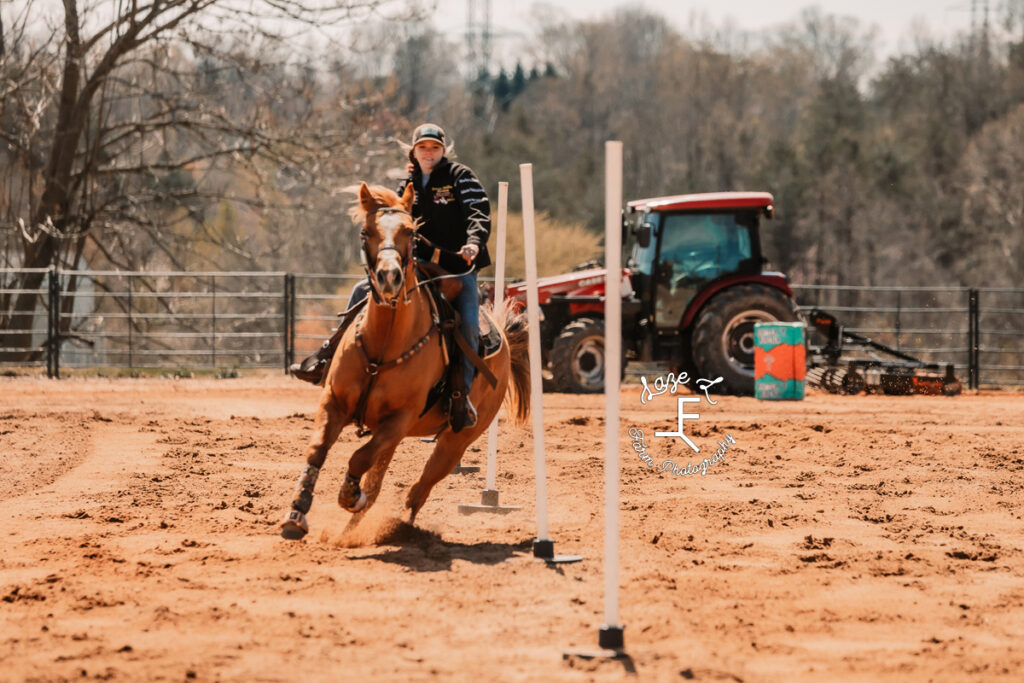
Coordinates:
<point>360,504</point>
<point>294,527</point>
<point>293,532</point>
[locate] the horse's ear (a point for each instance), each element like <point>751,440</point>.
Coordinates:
<point>366,199</point>
<point>408,197</point>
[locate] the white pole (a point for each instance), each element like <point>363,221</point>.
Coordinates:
<point>533,320</point>
<point>499,298</point>
<point>613,369</point>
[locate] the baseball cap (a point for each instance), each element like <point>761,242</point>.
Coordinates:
<point>428,131</point>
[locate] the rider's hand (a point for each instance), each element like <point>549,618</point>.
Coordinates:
<point>469,252</point>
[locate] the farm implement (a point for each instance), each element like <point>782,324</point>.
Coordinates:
<point>849,363</point>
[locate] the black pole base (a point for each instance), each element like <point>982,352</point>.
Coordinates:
<point>610,638</point>
<point>544,549</point>
<point>610,642</point>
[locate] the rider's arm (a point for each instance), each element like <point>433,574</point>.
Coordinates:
<point>475,207</point>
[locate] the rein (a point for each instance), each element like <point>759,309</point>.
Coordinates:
<point>439,249</point>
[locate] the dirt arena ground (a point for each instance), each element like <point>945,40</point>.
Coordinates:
<point>867,538</point>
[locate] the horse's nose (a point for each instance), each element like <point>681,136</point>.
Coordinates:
<point>389,280</point>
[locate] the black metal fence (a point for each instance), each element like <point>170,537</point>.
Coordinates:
<point>172,320</point>
<point>980,331</point>
<point>221,321</point>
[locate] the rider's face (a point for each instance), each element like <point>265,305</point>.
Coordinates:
<point>428,154</point>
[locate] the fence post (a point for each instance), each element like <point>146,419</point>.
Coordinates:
<point>131,358</point>
<point>973,340</point>
<point>213,321</point>
<point>289,320</point>
<point>51,337</point>
<point>53,325</point>
<point>899,310</point>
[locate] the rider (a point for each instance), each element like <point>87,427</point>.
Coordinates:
<point>454,215</point>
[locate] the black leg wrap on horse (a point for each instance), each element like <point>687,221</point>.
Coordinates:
<point>351,494</point>
<point>304,493</point>
<point>354,482</point>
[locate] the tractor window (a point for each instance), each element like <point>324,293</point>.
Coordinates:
<point>695,249</point>
<point>703,246</point>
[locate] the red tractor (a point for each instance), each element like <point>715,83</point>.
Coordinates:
<point>694,288</point>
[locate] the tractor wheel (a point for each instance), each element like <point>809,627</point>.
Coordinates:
<point>723,338</point>
<point>577,358</point>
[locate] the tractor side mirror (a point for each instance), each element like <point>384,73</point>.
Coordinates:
<point>643,236</point>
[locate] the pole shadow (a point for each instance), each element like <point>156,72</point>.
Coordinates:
<point>421,550</point>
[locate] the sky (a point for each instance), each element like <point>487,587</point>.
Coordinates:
<point>893,18</point>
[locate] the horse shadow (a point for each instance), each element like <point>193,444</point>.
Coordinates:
<point>422,550</point>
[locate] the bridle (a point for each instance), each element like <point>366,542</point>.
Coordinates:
<point>388,245</point>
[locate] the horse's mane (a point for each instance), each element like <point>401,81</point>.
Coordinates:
<point>381,195</point>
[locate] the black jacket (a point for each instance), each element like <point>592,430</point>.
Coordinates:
<point>454,211</point>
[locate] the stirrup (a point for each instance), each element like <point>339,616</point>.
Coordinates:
<point>471,414</point>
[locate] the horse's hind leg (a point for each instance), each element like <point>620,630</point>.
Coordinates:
<point>329,423</point>
<point>442,461</point>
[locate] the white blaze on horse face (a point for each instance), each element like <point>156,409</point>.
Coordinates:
<point>388,270</point>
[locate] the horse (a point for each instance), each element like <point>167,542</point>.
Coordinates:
<point>386,364</point>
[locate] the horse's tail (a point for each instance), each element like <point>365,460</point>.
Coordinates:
<point>513,323</point>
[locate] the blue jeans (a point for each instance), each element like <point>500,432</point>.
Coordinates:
<point>467,303</point>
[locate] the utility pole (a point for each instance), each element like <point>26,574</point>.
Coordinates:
<point>980,27</point>
<point>478,35</point>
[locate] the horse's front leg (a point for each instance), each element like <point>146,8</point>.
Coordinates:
<point>447,453</point>
<point>329,423</point>
<point>370,485</point>
<point>374,457</point>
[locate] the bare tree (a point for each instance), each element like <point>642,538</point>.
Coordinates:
<point>991,235</point>
<point>139,115</point>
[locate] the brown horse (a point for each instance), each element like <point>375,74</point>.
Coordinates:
<point>386,365</point>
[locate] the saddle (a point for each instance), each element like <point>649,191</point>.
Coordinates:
<point>454,346</point>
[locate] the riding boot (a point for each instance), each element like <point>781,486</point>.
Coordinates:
<point>462,414</point>
<point>314,368</point>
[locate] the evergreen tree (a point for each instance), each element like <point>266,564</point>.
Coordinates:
<point>502,89</point>
<point>518,80</point>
